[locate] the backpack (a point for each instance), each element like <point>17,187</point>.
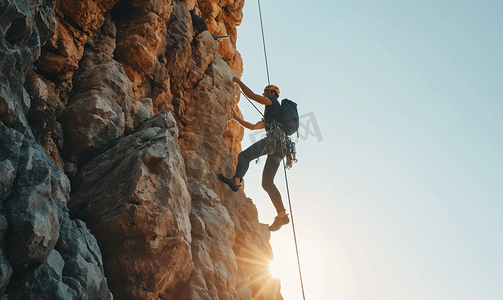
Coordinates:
<point>289,116</point>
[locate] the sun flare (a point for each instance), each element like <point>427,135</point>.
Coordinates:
<point>275,269</point>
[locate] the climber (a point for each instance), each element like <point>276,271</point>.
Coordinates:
<point>270,145</point>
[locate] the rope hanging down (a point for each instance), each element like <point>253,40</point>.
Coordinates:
<point>293,229</point>
<point>284,166</point>
<point>263,42</point>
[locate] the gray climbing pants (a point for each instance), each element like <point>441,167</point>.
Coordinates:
<point>274,157</point>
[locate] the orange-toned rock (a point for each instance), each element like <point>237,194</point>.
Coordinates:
<point>137,54</point>
<point>96,115</point>
<point>88,15</point>
<point>143,178</point>
<point>67,47</point>
<point>140,42</point>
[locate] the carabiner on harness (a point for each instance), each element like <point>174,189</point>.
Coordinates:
<point>288,147</point>
<point>290,153</point>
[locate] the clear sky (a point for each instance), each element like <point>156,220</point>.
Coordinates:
<point>398,193</point>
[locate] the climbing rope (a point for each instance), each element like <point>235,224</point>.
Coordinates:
<point>293,229</point>
<point>284,166</point>
<point>251,103</point>
<point>263,42</point>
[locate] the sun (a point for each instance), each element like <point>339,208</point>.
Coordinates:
<point>275,269</point>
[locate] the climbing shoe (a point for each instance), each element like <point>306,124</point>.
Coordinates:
<point>229,182</point>
<point>278,222</point>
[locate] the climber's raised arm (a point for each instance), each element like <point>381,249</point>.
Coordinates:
<point>250,94</point>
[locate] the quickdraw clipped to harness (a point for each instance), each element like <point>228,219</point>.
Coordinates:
<point>290,153</point>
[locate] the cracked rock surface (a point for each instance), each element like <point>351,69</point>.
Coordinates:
<point>115,119</point>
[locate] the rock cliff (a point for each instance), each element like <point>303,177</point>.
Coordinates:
<point>115,118</point>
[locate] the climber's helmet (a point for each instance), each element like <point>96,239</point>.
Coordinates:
<point>271,90</point>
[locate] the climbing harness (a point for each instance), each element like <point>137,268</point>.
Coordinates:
<point>276,134</point>
<point>274,137</point>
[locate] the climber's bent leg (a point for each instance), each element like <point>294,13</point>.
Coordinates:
<point>244,158</point>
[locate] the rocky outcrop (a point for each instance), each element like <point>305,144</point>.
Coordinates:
<point>134,197</point>
<point>114,122</point>
<point>43,252</point>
